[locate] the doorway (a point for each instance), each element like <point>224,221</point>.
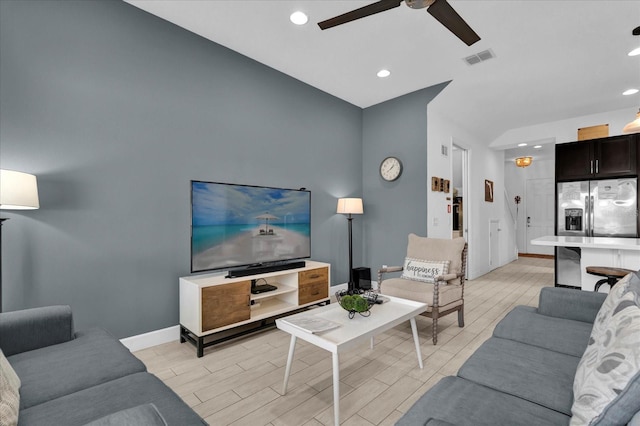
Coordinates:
<point>459,207</point>
<point>539,207</point>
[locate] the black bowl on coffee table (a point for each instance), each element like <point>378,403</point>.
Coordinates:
<point>356,303</point>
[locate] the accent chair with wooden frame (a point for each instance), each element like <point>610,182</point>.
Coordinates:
<point>445,294</point>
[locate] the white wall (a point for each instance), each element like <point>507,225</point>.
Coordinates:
<point>565,130</point>
<point>484,163</point>
<point>516,184</point>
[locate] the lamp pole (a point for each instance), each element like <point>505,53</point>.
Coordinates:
<point>352,285</point>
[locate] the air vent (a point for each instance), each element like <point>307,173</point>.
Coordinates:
<point>485,55</point>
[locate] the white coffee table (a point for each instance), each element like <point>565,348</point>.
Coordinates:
<point>350,333</point>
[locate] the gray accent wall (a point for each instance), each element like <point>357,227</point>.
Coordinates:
<point>395,209</point>
<point>116,110</point>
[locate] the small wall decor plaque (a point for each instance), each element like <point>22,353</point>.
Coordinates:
<point>435,183</point>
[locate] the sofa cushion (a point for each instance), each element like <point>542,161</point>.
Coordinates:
<point>142,415</point>
<point>607,382</point>
<point>464,403</point>
<point>9,393</point>
<point>524,324</point>
<point>569,303</point>
<point>30,329</point>
<point>93,357</point>
<point>437,422</point>
<point>538,375</point>
<point>127,392</point>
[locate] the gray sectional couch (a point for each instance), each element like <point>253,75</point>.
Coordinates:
<point>525,373</point>
<point>70,378</point>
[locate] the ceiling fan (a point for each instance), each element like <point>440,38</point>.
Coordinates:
<point>439,9</point>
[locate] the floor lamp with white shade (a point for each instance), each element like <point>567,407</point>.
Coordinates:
<point>350,206</point>
<point>18,191</point>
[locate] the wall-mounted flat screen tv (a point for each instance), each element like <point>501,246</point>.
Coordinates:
<point>235,226</point>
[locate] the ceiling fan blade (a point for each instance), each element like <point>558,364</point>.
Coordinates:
<point>447,16</point>
<point>370,9</point>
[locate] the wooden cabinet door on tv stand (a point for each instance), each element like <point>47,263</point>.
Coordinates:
<point>225,304</point>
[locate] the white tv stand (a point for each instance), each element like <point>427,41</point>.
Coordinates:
<point>213,305</point>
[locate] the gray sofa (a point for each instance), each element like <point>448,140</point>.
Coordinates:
<point>70,378</point>
<point>524,374</point>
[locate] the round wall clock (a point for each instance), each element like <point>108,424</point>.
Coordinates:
<point>390,169</point>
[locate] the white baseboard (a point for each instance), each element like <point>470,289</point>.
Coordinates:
<point>152,338</point>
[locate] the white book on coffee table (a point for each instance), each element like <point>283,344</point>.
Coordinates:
<point>311,324</point>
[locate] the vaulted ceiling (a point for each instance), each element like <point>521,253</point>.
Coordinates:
<point>554,59</point>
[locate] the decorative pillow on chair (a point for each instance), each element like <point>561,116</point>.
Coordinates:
<point>424,270</point>
<point>9,393</point>
<point>607,384</point>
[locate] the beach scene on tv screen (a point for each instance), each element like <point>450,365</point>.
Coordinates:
<point>234,225</point>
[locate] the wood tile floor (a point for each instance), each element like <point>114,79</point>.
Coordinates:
<point>240,382</point>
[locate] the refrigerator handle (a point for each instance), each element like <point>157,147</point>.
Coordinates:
<point>596,166</point>
<point>593,217</point>
<point>591,167</point>
<point>587,210</point>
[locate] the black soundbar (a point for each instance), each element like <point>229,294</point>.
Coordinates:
<point>264,269</point>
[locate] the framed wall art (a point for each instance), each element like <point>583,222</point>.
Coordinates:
<point>488,191</point>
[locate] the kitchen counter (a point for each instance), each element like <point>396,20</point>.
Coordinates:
<point>597,251</point>
<point>590,242</point>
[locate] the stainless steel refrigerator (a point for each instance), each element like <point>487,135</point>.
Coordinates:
<point>596,208</point>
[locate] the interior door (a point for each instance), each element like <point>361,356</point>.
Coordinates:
<point>539,205</point>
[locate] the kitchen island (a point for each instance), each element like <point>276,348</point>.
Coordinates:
<point>597,251</point>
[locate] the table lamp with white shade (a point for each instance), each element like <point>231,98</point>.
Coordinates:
<point>350,206</point>
<point>18,191</point>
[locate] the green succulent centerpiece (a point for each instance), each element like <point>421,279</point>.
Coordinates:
<point>356,303</point>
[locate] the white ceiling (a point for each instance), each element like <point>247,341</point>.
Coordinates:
<point>554,59</point>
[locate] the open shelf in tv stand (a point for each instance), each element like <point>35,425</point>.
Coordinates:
<point>214,307</point>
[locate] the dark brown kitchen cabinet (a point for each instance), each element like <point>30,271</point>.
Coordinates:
<point>615,156</point>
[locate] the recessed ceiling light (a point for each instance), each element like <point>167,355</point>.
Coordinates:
<point>383,73</point>
<point>630,92</point>
<point>522,144</point>
<point>634,52</point>
<point>299,18</point>
<point>538,146</point>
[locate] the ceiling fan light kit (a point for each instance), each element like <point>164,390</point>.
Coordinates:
<point>439,9</point>
<point>419,4</point>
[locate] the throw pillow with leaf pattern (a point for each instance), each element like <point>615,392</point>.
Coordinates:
<point>607,383</point>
